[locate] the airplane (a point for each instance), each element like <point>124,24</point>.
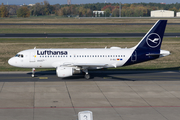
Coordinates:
<point>71,61</point>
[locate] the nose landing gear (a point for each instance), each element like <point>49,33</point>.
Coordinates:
<point>33,72</point>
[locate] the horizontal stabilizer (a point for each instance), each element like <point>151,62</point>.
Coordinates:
<point>153,54</point>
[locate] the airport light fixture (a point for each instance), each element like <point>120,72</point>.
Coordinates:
<point>85,115</point>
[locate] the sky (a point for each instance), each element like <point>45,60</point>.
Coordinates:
<point>84,1</point>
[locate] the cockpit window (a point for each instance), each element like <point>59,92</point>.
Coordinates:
<point>19,55</point>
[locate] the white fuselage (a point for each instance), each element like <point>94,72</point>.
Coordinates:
<point>52,58</point>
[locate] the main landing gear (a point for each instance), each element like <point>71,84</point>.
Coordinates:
<point>87,76</point>
<point>33,71</point>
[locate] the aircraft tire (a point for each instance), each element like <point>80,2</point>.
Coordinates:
<point>87,76</point>
<point>32,75</point>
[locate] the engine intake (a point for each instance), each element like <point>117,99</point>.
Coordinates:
<point>64,71</point>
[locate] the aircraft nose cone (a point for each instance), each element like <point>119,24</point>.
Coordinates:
<point>11,61</point>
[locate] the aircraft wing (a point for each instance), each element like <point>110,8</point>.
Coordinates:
<point>56,64</point>
<point>90,64</point>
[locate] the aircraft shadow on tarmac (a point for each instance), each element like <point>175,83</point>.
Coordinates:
<point>105,75</point>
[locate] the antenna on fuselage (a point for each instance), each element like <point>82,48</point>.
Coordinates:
<point>34,47</point>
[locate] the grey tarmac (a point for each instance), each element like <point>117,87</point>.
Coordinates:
<point>110,95</point>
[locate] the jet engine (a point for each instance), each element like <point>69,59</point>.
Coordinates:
<point>66,71</point>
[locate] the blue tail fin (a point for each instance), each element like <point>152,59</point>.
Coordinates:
<point>149,47</point>
<point>153,39</point>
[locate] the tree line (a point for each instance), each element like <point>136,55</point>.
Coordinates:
<point>86,10</point>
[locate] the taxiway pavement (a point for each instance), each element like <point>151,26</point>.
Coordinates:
<point>110,95</point>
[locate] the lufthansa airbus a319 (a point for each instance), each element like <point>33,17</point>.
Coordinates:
<point>71,61</point>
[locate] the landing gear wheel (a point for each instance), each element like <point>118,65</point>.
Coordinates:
<point>33,71</point>
<point>87,76</point>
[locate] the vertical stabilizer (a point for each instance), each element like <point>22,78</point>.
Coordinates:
<point>149,47</point>
<point>153,39</point>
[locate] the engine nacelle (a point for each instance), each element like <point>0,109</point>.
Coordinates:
<point>64,71</point>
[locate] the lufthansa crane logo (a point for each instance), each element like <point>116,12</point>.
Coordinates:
<point>153,40</point>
